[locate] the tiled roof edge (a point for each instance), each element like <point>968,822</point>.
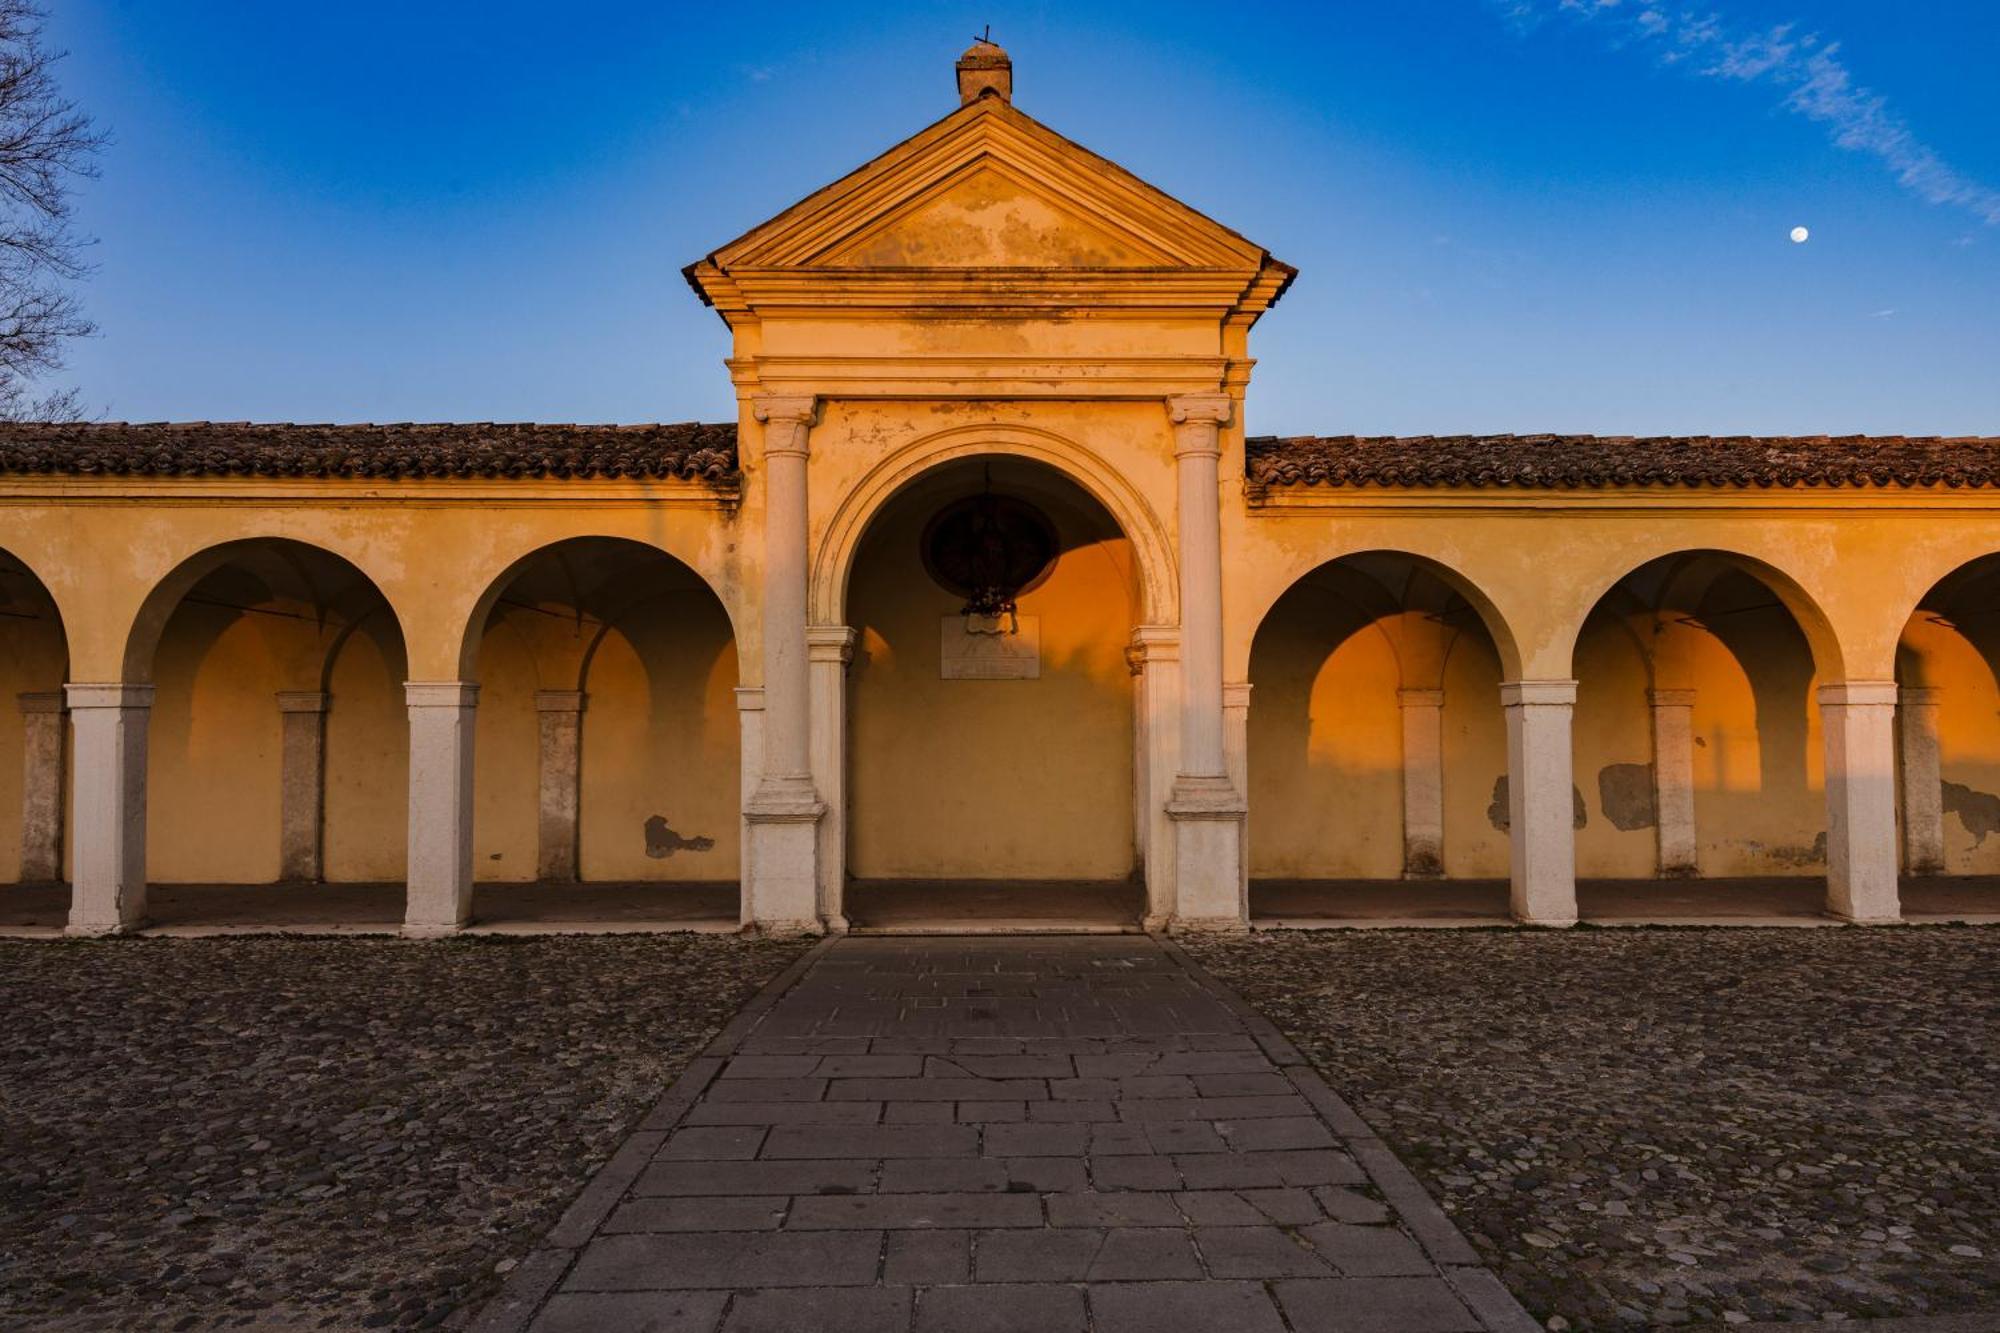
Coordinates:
<point>691,451</point>
<point>1559,462</point>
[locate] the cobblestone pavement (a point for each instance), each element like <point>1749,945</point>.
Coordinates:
<point>1662,1127</point>
<point>994,1134</point>
<point>321,1133</point>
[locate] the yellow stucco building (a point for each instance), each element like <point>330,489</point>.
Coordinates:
<point>986,586</point>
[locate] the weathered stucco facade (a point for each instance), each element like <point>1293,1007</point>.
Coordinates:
<point>450,654</point>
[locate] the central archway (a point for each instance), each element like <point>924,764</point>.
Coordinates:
<point>991,758</point>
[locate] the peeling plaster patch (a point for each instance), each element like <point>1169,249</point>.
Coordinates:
<point>1625,791</point>
<point>662,842</point>
<point>1496,813</point>
<point>1979,811</point>
<point>1793,855</point>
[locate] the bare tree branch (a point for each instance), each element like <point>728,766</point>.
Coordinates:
<point>46,146</point>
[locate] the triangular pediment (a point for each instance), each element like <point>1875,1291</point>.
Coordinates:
<point>987,215</point>
<point>988,187</point>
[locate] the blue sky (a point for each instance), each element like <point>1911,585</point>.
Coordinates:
<point>1510,215</point>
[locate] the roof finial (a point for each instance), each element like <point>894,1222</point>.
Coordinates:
<point>984,69</point>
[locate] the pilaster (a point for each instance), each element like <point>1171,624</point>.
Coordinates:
<point>1922,781</point>
<point>1423,783</point>
<point>1677,854</point>
<point>558,769</point>
<point>41,786</point>
<point>301,784</point>
<point>830,650</point>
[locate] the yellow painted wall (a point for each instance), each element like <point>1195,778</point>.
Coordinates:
<point>660,738</point>
<point>367,759</point>
<point>31,662</point>
<point>1326,746</point>
<point>1968,726</point>
<point>977,779</point>
<point>1475,754</point>
<point>213,748</point>
<point>1612,725</point>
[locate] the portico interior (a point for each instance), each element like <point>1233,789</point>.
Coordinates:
<point>991,763</point>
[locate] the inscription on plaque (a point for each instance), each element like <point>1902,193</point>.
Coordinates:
<point>979,648</point>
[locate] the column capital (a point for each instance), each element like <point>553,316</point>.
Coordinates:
<point>1537,693</point>
<point>1420,698</point>
<point>302,701</point>
<point>1858,693</point>
<point>798,407</point>
<point>787,422</point>
<point>830,643</point>
<point>441,693</point>
<point>1236,694</point>
<point>115,695</point>
<point>1204,409</point>
<point>41,701</point>
<point>559,701</point>
<point>749,698</point>
<point>1670,698</point>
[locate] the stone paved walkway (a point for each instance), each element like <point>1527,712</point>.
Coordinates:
<point>986,1134</point>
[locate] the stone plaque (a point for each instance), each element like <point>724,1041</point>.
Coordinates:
<point>979,648</point>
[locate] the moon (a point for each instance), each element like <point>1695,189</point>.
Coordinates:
<point>1800,235</point>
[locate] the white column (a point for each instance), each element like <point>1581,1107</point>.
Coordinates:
<point>1673,783</point>
<point>1858,722</point>
<point>830,648</point>
<point>108,892</point>
<point>1423,783</point>
<point>442,721</point>
<point>301,783</point>
<point>41,786</point>
<point>782,877</point>
<point>1923,784</point>
<point>1154,657</point>
<point>558,768</point>
<point>1236,760</point>
<point>1541,807</point>
<point>1207,809</point>
<point>750,745</point>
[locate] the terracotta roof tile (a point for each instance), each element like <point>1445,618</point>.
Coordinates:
<point>690,450</point>
<point>1564,462</point>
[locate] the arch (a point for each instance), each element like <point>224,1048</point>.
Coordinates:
<point>142,637</point>
<point>1682,572</point>
<point>21,587</point>
<point>1490,615</point>
<point>474,627</point>
<point>34,665</point>
<point>833,562</point>
<point>1942,604</point>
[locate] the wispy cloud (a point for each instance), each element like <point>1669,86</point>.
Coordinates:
<point>1807,68</point>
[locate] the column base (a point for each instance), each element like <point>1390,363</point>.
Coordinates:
<point>781,866</point>
<point>1208,925</point>
<point>431,930</point>
<point>1207,815</point>
<point>1870,920</point>
<point>1546,922</point>
<point>97,930</point>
